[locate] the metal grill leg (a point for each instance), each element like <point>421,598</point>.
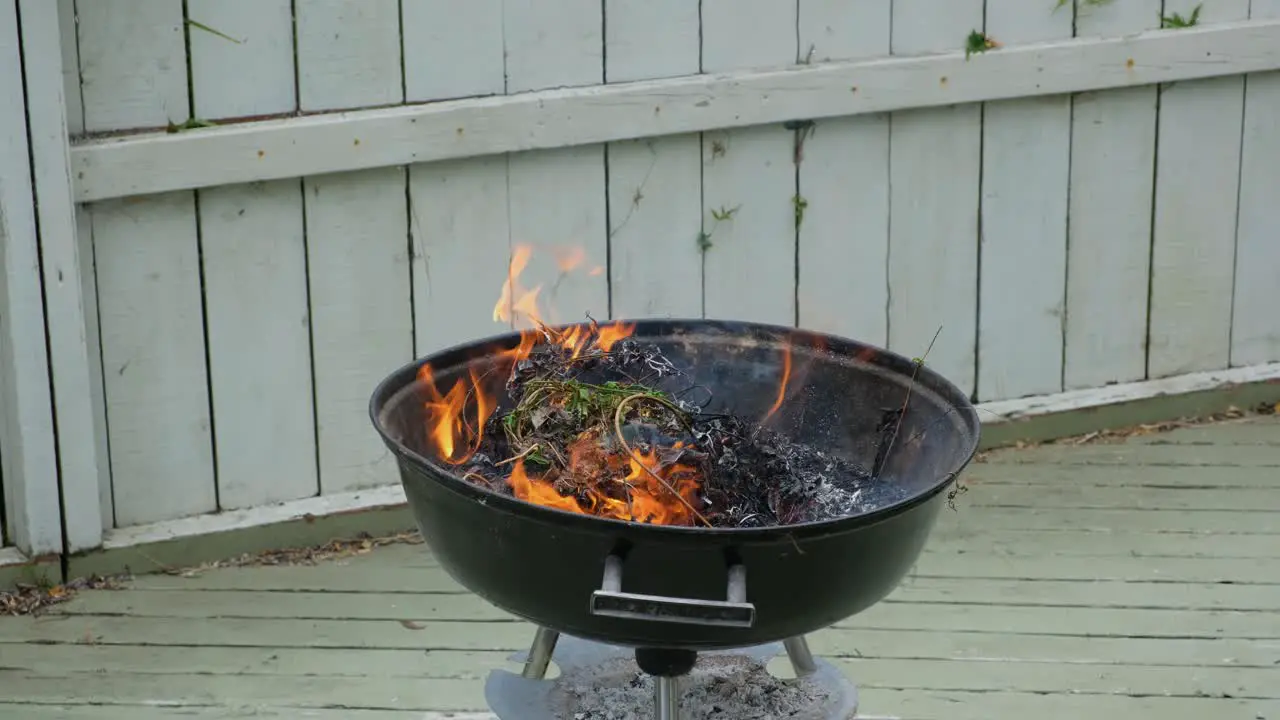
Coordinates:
<point>801,659</point>
<point>544,644</point>
<point>666,698</point>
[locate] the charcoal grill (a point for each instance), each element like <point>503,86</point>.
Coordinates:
<point>670,592</point>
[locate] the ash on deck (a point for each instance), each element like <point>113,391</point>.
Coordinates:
<point>1135,580</point>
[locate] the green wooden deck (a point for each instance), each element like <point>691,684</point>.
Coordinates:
<point>1131,580</point>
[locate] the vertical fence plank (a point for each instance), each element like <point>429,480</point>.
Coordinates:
<point>1197,182</point>
<point>250,71</point>
<point>1255,332</point>
<point>357,241</point>
<point>73,362</point>
<point>70,44</point>
<point>557,197</point>
<point>27,455</point>
<point>749,181</point>
<point>1026,154</point>
<point>133,65</point>
<point>348,53</point>
<point>935,161</point>
<point>842,215</point>
<point>1112,186</point>
<point>254,267</point>
<point>458,209</point>
<point>655,184</point>
<point>452,49</point>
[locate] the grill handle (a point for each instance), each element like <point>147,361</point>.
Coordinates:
<point>735,611</point>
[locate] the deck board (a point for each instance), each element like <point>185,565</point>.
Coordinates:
<point>1138,579</point>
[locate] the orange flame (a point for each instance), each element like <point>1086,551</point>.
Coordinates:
<point>596,477</point>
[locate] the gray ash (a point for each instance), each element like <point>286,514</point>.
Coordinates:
<point>721,687</point>
<point>752,476</point>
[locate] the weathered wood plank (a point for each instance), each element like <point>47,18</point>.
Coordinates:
<point>153,356</point>
<point>28,455</point>
<point>1113,141</point>
<point>842,196</point>
<point>748,174</point>
<point>251,75</point>
<point>348,54</point>
<point>357,240</point>
<point>1197,184</point>
<point>1026,150</point>
<point>457,209</point>
<point>133,65</point>
<point>933,241</point>
<point>557,204</point>
<point>1153,455</point>
<point>452,49</point>
<point>528,121</point>
<point>654,184</point>
<point>1255,337</point>
<point>255,269</point>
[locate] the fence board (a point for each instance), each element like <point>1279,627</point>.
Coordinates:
<point>1026,152</point>
<point>1255,337</point>
<point>153,354</point>
<point>249,75</point>
<point>935,161</point>
<point>556,197</point>
<point>133,65</point>
<point>1197,183</point>
<point>1113,140</point>
<point>348,54</point>
<point>254,254</point>
<point>749,180</point>
<point>452,49</point>
<point>357,241</point>
<point>842,192</point>
<point>654,184</point>
<point>458,209</point>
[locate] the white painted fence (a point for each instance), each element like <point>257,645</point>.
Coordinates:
<point>1073,212</point>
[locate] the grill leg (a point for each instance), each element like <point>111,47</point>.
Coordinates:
<point>666,698</point>
<point>544,644</point>
<point>801,659</point>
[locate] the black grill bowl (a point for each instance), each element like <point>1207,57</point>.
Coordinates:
<point>544,565</point>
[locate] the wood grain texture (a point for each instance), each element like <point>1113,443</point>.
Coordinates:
<point>255,271</point>
<point>458,216</point>
<point>843,185</point>
<point>361,315</point>
<point>74,363</point>
<point>154,357</point>
<point>557,200</point>
<point>1255,329</point>
<point>582,115</point>
<point>654,184</point>
<point>252,74</point>
<point>348,53</point>
<point>748,174</point>
<point>452,49</point>
<point>133,67</point>
<point>1113,136</point>
<point>1196,200</point>
<point>457,209</point>
<point>1026,150</point>
<point>132,64</point>
<point>358,265</point>
<point>933,240</point>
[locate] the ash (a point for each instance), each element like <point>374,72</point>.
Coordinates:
<point>721,687</point>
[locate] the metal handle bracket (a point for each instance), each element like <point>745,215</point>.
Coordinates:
<point>735,611</point>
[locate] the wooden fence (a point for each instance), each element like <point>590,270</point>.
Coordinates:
<point>269,204</point>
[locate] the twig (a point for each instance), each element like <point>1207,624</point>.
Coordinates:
<point>617,428</point>
<point>518,455</point>
<point>902,413</point>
